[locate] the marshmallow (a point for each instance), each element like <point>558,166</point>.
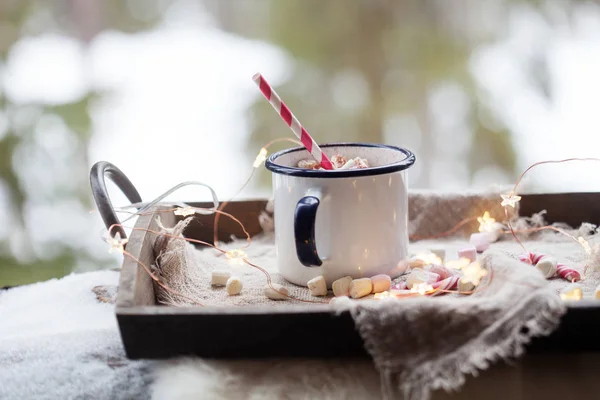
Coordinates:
<point>381,283</point>
<point>481,241</point>
<point>317,286</point>
<point>348,165</point>
<point>469,252</point>
<point>441,253</point>
<point>234,286</point>
<point>547,266</point>
<point>402,268</point>
<point>572,292</point>
<point>219,278</point>
<point>415,262</point>
<point>360,288</point>
<point>341,287</point>
<point>421,276</point>
<point>338,161</point>
<point>361,163</point>
<point>465,286</point>
<point>279,294</point>
<point>309,164</point>
<point>441,270</point>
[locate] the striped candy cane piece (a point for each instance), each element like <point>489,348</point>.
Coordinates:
<point>291,120</point>
<point>450,283</point>
<point>531,258</point>
<point>567,273</point>
<point>562,270</point>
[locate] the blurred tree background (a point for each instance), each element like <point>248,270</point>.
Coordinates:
<point>397,72</point>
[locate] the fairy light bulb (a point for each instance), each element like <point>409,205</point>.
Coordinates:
<point>486,223</point>
<point>458,264</point>
<point>260,158</point>
<point>117,245</point>
<point>510,200</point>
<point>473,273</point>
<point>421,288</point>
<point>572,293</point>
<point>382,295</point>
<point>185,211</point>
<point>429,258</point>
<point>235,256</point>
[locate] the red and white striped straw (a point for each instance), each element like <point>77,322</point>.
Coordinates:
<point>292,121</point>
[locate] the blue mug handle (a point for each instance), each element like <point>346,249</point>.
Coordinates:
<point>304,231</point>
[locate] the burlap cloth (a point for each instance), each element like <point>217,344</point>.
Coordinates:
<point>417,344</point>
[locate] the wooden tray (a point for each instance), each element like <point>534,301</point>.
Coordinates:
<point>149,330</point>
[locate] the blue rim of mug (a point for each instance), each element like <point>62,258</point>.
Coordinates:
<point>346,173</point>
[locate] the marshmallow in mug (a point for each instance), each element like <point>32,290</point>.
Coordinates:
<point>338,162</point>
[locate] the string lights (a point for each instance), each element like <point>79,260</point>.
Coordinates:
<point>117,245</point>
<point>236,256</point>
<point>470,272</point>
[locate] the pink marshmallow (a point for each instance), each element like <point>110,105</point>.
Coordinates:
<point>469,252</point>
<point>421,276</point>
<point>481,241</point>
<point>441,270</point>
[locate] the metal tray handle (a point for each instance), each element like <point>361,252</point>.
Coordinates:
<point>98,174</point>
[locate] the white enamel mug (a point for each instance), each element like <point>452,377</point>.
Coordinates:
<point>341,222</point>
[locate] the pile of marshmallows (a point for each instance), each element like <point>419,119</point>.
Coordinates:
<point>338,162</point>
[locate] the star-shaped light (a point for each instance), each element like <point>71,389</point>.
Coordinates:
<point>421,288</point>
<point>429,258</point>
<point>185,211</point>
<point>236,256</point>
<point>260,158</point>
<point>572,292</point>
<point>510,199</point>
<point>486,223</point>
<point>585,244</point>
<point>458,264</point>
<point>473,273</point>
<point>382,295</point>
<point>116,243</point>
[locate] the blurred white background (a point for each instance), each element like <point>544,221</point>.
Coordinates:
<point>478,90</point>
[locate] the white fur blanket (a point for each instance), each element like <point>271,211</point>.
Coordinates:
<point>57,341</point>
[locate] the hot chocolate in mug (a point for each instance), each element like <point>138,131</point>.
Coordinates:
<point>342,222</point>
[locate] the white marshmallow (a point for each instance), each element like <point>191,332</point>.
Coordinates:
<point>421,276</point>
<point>360,288</point>
<point>495,232</point>
<point>381,283</point>
<point>317,286</point>
<point>219,278</point>
<point>481,241</point>
<point>547,266</point>
<point>465,286</point>
<point>415,262</point>
<point>234,286</point>
<point>441,253</point>
<point>402,267</point>
<point>351,163</point>
<point>341,287</point>
<point>279,294</point>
